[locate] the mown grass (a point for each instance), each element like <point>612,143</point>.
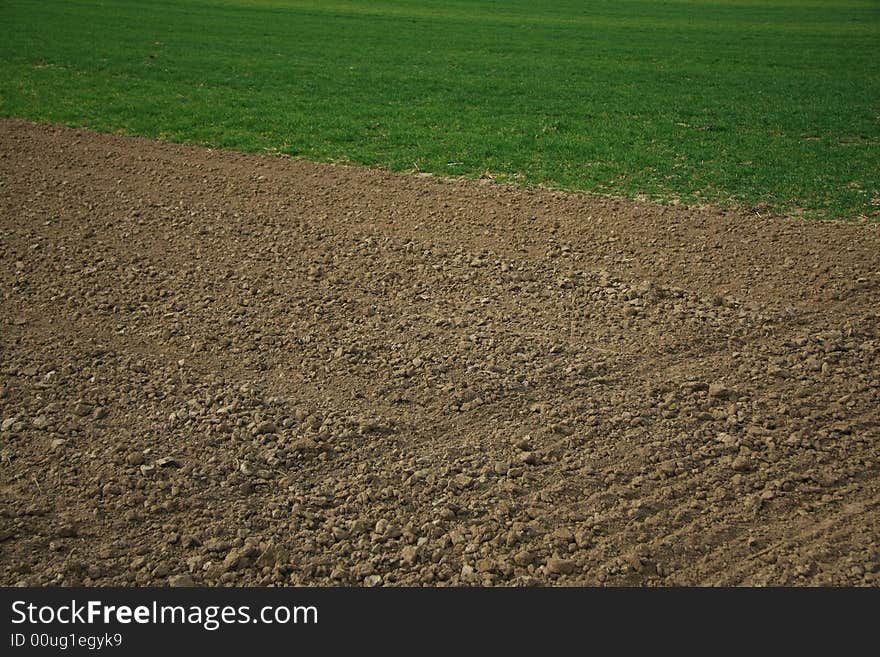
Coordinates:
<point>726,101</point>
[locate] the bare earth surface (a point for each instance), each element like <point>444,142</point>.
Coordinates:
<point>228,369</point>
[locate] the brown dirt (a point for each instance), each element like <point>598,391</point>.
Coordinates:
<point>229,369</point>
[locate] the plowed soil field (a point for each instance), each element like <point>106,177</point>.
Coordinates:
<point>229,369</point>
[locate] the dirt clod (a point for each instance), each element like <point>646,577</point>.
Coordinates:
<point>182,580</point>
<point>556,566</point>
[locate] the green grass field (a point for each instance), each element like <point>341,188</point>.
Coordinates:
<point>726,101</point>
